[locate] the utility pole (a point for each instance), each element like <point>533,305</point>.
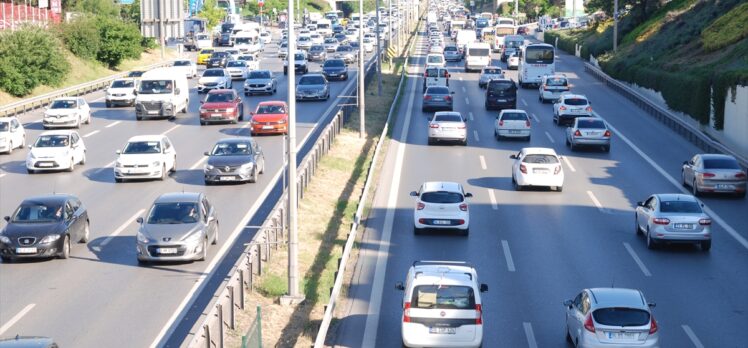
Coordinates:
<point>361,73</point>
<point>615,26</point>
<point>379,55</point>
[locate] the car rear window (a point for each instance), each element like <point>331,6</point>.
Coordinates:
<point>443,297</point>
<point>437,90</point>
<point>514,116</point>
<point>621,316</point>
<point>448,118</point>
<point>540,159</point>
<point>680,207</point>
<point>721,163</point>
<point>575,101</point>
<point>442,197</point>
<point>590,124</point>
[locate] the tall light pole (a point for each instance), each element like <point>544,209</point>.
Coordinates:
<point>361,74</point>
<point>615,26</point>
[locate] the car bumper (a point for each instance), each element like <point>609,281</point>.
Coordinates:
<point>184,251</point>
<point>514,133</point>
<point>417,335</point>
<point>547,180</point>
<point>138,173</point>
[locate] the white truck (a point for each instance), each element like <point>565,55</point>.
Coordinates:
<point>477,56</point>
<point>162,92</point>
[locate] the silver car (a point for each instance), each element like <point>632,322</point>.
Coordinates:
<point>611,318</point>
<point>312,87</point>
<point>673,218</point>
<point>588,131</point>
<point>489,73</point>
<point>260,82</point>
<point>234,160</point>
<point>178,227</point>
<point>447,126</point>
<point>714,173</point>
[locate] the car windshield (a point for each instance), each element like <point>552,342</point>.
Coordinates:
<point>443,297</point>
<point>213,73</point>
<point>619,316</point>
<point>123,84</point>
<point>63,104</point>
<point>231,149</point>
<point>721,163</point>
<point>680,207</point>
<point>540,159</point>
<point>498,86</point>
<point>447,118</point>
<point>52,141</point>
<point>492,71</point>
<point>442,197</point>
<point>219,98</point>
<point>271,109</point>
<point>514,116</point>
<point>236,64</point>
<point>335,63</point>
<point>312,80</point>
<point>437,90</point>
<point>556,81</point>
<point>173,213</point>
<point>590,124</point>
<point>182,63</point>
<point>138,147</point>
<point>155,87</point>
<point>37,212</point>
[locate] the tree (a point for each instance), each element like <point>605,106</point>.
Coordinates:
<point>119,41</point>
<point>29,57</point>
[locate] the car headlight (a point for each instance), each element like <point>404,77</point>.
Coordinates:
<point>142,238</point>
<point>156,164</point>
<point>4,239</point>
<point>49,239</point>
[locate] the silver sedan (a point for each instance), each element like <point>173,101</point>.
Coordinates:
<point>673,218</point>
<point>588,131</point>
<point>714,173</point>
<point>447,126</point>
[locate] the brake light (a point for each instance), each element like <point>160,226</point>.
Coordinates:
<point>434,125</point>
<point>589,108</point>
<point>707,175</point>
<point>463,207</point>
<point>557,170</point>
<point>523,169</point>
<point>705,222</point>
<point>740,175</point>
<point>562,108</point>
<point>420,206</point>
<point>478,314</point>
<point>653,326</point>
<point>406,313</point>
<point>606,134</point>
<point>588,324</point>
<point>661,221</point>
<point>426,97</point>
<point>577,133</point>
<point>501,122</point>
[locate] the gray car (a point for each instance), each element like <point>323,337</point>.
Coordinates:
<point>312,87</point>
<point>673,218</point>
<point>447,126</point>
<point>437,98</point>
<point>177,227</point>
<point>588,131</point>
<point>260,82</point>
<point>234,160</point>
<point>611,318</point>
<point>714,173</point>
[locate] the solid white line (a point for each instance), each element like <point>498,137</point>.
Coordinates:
<point>467,101</point>
<point>90,134</point>
<point>695,340</point>
<point>568,163</point>
<point>492,197</point>
<point>524,102</point>
<point>199,163</point>
<point>16,318</point>
<point>120,229</point>
<point>595,201</point>
<point>530,335</point>
<point>171,129</point>
<point>549,137</point>
<point>637,259</point>
<point>463,89</point>
<point>482,162</point>
<point>508,256</point>
<point>535,118</point>
<point>475,134</point>
<point>470,116</point>
<point>113,124</point>
<point>716,218</point>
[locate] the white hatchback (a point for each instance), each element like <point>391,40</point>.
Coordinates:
<point>145,157</point>
<point>441,205</point>
<point>537,166</point>
<point>512,123</point>
<point>56,150</point>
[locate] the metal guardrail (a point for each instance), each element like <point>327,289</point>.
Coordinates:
<point>665,116</point>
<point>25,105</point>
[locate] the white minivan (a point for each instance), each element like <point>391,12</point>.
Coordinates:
<point>477,56</point>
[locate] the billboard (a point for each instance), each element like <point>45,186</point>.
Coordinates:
<point>166,13</point>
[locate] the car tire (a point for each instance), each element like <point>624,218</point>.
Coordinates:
<point>706,245</point>
<point>65,252</point>
<point>86,233</point>
<point>651,243</point>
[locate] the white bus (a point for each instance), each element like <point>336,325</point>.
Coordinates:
<point>535,61</point>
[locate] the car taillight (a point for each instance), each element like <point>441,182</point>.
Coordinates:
<point>557,170</point>
<point>406,313</point>
<point>588,324</point>
<point>463,207</point>
<point>433,125</point>
<point>740,175</point>
<point>653,326</point>
<point>705,222</point>
<point>527,123</point>
<point>589,108</point>
<point>478,314</point>
<point>501,122</point>
<point>661,221</point>
<point>606,134</point>
<point>707,175</point>
<point>562,108</point>
<point>523,169</point>
<point>577,133</point>
<point>420,206</point>
<point>426,97</point>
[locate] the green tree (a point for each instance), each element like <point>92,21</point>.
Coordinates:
<point>119,41</point>
<point>212,13</point>
<point>30,57</point>
<point>81,36</point>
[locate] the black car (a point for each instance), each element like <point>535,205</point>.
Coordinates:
<point>335,69</point>
<point>218,60</point>
<point>501,94</point>
<point>44,227</point>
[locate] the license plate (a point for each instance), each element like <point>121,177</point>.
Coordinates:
<point>152,112</point>
<point>25,250</point>
<point>683,226</point>
<point>513,131</point>
<point>622,335</point>
<point>215,115</point>
<point>441,222</point>
<point>724,187</point>
<point>226,178</point>
<point>442,330</point>
<point>267,127</point>
<point>167,250</point>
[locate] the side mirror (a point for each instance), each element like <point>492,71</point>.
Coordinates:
<point>399,286</point>
<point>119,152</point>
<point>468,195</point>
<point>7,218</point>
<point>513,156</point>
<point>639,204</point>
<point>568,303</point>
<point>483,288</point>
<point>139,220</point>
<point>413,194</point>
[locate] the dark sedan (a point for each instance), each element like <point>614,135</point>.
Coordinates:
<point>335,69</point>
<point>234,160</point>
<point>437,98</point>
<point>218,60</point>
<point>43,227</point>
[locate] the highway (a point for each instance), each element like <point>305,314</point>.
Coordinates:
<point>534,249</point>
<point>101,297</point>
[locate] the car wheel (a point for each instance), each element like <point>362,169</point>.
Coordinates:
<point>695,189</point>
<point>204,253</point>
<point>86,233</point>
<point>65,252</point>
<point>706,245</point>
<point>72,165</point>
<point>651,244</point>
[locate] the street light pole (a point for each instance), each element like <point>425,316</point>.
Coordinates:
<point>361,73</point>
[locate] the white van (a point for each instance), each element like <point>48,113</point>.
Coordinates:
<point>477,56</point>
<point>162,92</point>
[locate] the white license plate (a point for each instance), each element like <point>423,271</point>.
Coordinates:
<point>683,226</point>
<point>622,335</point>
<point>152,112</point>
<point>26,250</point>
<point>724,187</point>
<point>267,127</point>
<point>215,115</point>
<point>442,330</point>
<point>226,178</point>
<point>167,250</point>
<point>441,222</point>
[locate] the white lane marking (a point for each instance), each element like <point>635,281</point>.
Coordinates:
<point>199,163</point>
<point>119,230</point>
<point>715,217</point>
<point>467,101</point>
<point>637,259</point>
<point>463,89</point>
<point>482,162</point>
<point>475,134</point>
<point>535,118</point>
<point>375,302</point>
<point>568,163</point>
<point>91,133</point>
<point>508,256</point>
<point>170,129</point>
<point>470,116</point>
<point>16,318</point>
<point>549,137</point>
<point>595,201</point>
<point>492,197</point>
<point>695,340</point>
<point>523,101</point>
<point>113,124</point>
<point>530,335</point>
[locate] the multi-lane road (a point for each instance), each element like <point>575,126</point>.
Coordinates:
<point>537,248</point>
<point>101,297</point>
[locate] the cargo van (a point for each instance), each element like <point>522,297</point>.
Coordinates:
<point>162,92</point>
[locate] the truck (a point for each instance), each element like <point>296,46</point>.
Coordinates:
<point>162,92</point>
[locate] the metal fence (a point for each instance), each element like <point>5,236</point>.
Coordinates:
<point>691,133</point>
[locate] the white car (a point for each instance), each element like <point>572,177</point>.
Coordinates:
<point>253,63</point>
<point>188,67</point>
<point>12,134</point>
<point>121,91</point>
<point>56,150</point>
<point>214,78</point>
<point>265,38</point>
<point>442,305</point>
<point>145,157</point>
<point>67,112</point>
<point>238,69</point>
<point>512,123</point>
<point>441,205</point>
<point>537,166</point>
<point>435,60</point>
<point>570,106</point>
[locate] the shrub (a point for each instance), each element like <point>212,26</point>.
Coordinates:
<point>30,57</point>
<point>81,37</point>
<point>119,41</point>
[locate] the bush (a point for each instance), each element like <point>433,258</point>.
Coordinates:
<point>119,41</point>
<point>81,37</point>
<point>30,57</point>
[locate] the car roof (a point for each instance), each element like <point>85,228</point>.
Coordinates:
<point>58,198</point>
<point>149,137</point>
<point>617,297</point>
<point>675,197</point>
<point>432,186</point>
<point>58,132</point>
<point>177,197</point>
<point>539,151</point>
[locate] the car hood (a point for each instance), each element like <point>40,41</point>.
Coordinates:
<point>60,112</point>
<point>48,152</point>
<point>268,117</point>
<point>141,158</point>
<point>218,105</point>
<point>258,81</point>
<point>14,230</point>
<point>176,232</point>
<point>209,79</point>
<point>220,161</point>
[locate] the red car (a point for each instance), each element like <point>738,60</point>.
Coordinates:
<point>221,105</point>
<point>270,117</point>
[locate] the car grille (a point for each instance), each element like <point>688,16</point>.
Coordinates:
<point>153,250</point>
<point>152,105</point>
<point>26,241</point>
